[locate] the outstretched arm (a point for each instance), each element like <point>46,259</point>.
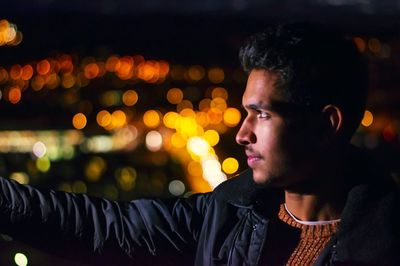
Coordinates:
<point>102,231</point>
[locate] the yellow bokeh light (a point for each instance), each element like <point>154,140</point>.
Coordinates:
<point>187,126</point>
<point>43,164</point>
<point>169,119</point>
<point>103,118</point>
<point>95,168</point>
<point>194,168</point>
<point>174,95</point>
<point>20,259</point>
<point>232,117</point>
<point>216,75</point>
<point>151,118</point>
<point>219,103</point>
<point>198,146</point>
<point>211,136</point>
<point>368,119</point>
<point>126,178</point>
<point>230,165</point>
<point>20,177</point>
<point>178,141</point>
<point>118,119</point>
<point>9,34</point>
<point>130,97</point>
<point>79,121</point>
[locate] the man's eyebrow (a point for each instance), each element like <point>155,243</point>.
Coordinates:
<point>258,106</point>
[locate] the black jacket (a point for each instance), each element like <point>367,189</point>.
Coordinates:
<point>225,227</point>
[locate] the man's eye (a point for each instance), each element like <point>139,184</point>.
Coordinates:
<point>264,115</point>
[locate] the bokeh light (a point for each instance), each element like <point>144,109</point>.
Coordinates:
<point>368,119</point>
<point>230,165</point>
<point>176,187</point>
<point>232,117</point>
<point>79,121</point>
<point>20,259</point>
<point>216,75</point>
<point>130,97</point>
<point>154,140</point>
<point>174,95</point>
<point>151,118</point>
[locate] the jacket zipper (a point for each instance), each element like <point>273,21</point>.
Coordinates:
<point>264,236</point>
<point>229,262</point>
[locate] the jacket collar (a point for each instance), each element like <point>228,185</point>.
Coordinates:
<point>369,227</point>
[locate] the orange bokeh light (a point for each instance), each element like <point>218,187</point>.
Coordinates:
<point>14,95</point>
<point>91,71</point>
<point>43,67</point>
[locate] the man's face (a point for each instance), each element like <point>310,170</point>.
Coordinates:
<point>277,148</point>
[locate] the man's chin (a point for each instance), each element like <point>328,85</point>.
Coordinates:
<point>263,179</point>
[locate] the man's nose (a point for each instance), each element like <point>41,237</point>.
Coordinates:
<point>245,135</point>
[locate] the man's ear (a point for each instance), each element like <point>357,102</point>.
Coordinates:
<point>332,120</point>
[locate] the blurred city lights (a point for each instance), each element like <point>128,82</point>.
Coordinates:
<point>368,119</point>
<point>20,177</point>
<point>95,168</point>
<point>230,165</point>
<point>216,75</point>
<point>103,118</point>
<point>20,259</point>
<point>151,118</point>
<point>211,136</point>
<point>79,121</point>
<point>9,35</point>
<point>130,97</point>
<point>232,117</point>
<point>154,140</point>
<point>196,73</point>
<point>198,146</point>
<point>126,178</point>
<point>174,95</point>
<point>176,187</point>
<point>43,164</point>
<point>39,149</point>
<point>219,92</point>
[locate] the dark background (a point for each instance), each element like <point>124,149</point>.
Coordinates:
<point>207,33</point>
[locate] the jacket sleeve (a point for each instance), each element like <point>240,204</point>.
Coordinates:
<point>99,230</point>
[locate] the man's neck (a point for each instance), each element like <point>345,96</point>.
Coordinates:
<point>322,194</point>
<point>311,207</point>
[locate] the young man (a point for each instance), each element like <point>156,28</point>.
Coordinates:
<point>308,197</point>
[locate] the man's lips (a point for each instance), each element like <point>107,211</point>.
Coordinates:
<point>252,159</point>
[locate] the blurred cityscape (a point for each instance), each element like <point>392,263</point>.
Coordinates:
<point>123,107</point>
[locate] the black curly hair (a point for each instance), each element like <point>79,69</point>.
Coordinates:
<point>315,66</point>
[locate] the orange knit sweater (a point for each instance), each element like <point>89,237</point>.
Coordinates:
<point>292,243</point>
